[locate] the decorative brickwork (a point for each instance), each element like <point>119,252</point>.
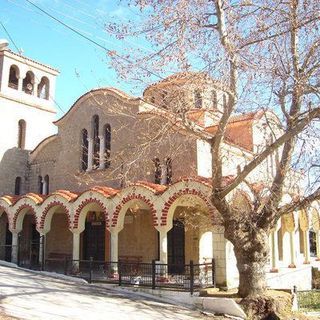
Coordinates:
<point>173,198</point>
<point>83,204</point>
<point>24,206</point>
<point>48,207</point>
<point>128,198</point>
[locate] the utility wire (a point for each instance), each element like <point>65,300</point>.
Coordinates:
<point>26,62</point>
<point>110,52</point>
<point>8,34</point>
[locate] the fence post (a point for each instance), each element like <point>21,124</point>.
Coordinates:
<point>119,273</point>
<point>191,277</point>
<point>213,273</point>
<point>153,274</point>
<point>90,269</point>
<point>65,265</point>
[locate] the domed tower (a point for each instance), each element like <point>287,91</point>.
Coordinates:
<point>188,91</point>
<point>26,100</point>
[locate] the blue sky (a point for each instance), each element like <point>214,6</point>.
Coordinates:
<point>82,65</point>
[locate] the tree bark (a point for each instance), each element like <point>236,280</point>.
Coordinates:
<point>251,248</point>
<point>252,276</point>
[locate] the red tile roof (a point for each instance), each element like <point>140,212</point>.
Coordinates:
<point>239,129</point>
<point>156,188</point>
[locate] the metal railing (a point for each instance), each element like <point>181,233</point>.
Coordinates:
<point>191,277</point>
<point>6,252</point>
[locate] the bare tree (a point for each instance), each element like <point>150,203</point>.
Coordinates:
<point>266,57</point>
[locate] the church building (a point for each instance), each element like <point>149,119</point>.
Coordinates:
<point>117,178</point>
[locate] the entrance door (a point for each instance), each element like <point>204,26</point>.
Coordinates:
<point>94,241</point>
<point>8,244</point>
<point>34,247</point>
<point>176,248</point>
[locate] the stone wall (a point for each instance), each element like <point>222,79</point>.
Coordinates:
<point>139,237</point>
<point>131,156</point>
<point>59,238</point>
<point>14,164</point>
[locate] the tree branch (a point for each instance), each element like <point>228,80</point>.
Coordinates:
<point>300,126</point>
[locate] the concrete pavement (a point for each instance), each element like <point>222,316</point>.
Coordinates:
<point>28,295</point>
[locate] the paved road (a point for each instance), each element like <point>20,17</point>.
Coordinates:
<point>27,295</point>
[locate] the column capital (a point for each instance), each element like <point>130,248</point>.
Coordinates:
<point>163,229</point>
<point>114,230</point>
<point>76,231</point>
<point>42,232</point>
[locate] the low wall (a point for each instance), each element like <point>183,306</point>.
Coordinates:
<point>286,278</point>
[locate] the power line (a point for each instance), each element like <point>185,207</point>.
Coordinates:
<point>8,34</point>
<point>26,62</point>
<point>110,52</point>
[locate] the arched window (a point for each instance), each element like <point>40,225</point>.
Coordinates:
<point>96,141</point>
<point>22,127</point>
<point>17,186</point>
<point>84,148</point>
<point>43,88</point>
<point>46,185</point>
<point>157,171</point>
<point>107,147</point>
<point>198,99</point>
<point>169,170</point>
<point>214,98</point>
<point>13,77</point>
<point>28,82</point>
<point>152,99</point>
<point>40,185</point>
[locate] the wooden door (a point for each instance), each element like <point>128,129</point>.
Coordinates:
<point>176,248</point>
<point>94,241</point>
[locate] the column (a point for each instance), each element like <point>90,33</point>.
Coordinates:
<point>15,248</point>
<point>101,152</point>
<point>114,249</point>
<point>318,245</point>
<point>35,88</point>
<point>292,250</point>
<point>90,153</point>
<point>41,250</point>
<point>274,252</point>
<point>20,80</point>
<point>76,245</point>
<point>306,244</point>
<point>163,246</point>
<point>44,186</point>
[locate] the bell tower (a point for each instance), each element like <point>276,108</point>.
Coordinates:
<point>27,110</point>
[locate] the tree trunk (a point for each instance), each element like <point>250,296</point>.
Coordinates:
<point>252,276</point>
<point>251,247</point>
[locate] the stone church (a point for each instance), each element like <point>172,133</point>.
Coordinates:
<point>117,178</point>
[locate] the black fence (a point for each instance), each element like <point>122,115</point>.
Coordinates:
<point>187,277</point>
<point>27,254</point>
<point>6,252</point>
<point>191,277</point>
